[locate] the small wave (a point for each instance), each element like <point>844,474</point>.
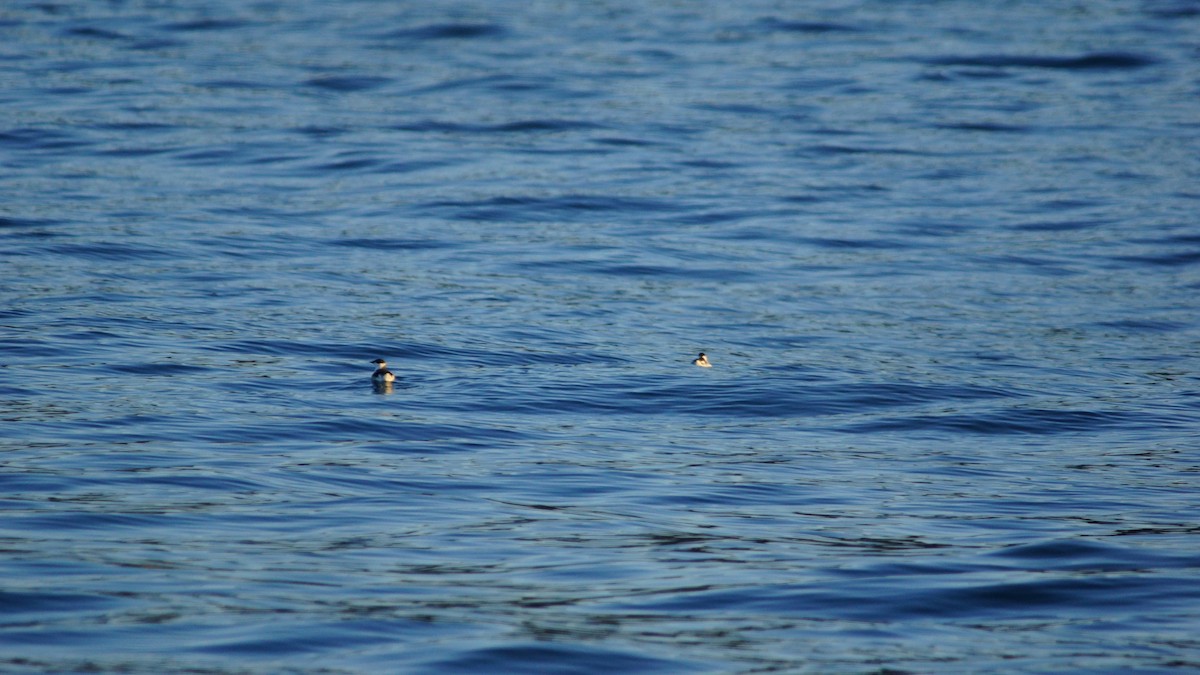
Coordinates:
<point>521,126</point>
<point>834,243</point>
<point>348,83</point>
<point>1018,421</point>
<point>536,209</point>
<point>1059,225</point>
<point>65,520</point>
<point>708,164</point>
<point>818,84</point>
<point>1059,596</point>
<point>1173,239</point>
<point>547,658</point>
<point>774,24</point>
<point>290,348</point>
<point>449,31</point>
<point>13,603</point>
<point>1170,10</point>
<point>388,244</point>
<point>735,108</point>
<point>199,25</point>
<point>217,156</point>
<point>767,397</point>
<point>247,85</point>
<point>1145,326</point>
<point>733,215</point>
<point>907,596</point>
<point>207,483</point>
<point>320,131</point>
<point>26,483</point>
<point>1174,259</point>
<point>635,270</point>
<point>278,641</point>
<point>133,152</point>
<point>29,348</point>
<point>138,127</point>
<point>501,82</point>
<point>21,223</point>
<point>834,149</point>
<point>157,369</point>
<point>1097,61</point>
<point>354,430</point>
<point>625,142</point>
<point>106,251</point>
<point>355,164</point>
<point>31,138</point>
<point>682,271</point>
<point>1084,554</point>
<point>154,45</point>
<point>986,127</point>
<point>93,33</point>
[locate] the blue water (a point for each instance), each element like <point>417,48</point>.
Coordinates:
<point>944,256</point>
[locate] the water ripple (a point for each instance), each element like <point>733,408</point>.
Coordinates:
<point>448,31</point>
<point>1101,61</point>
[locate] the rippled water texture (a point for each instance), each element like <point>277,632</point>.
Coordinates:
<point>943,255</point>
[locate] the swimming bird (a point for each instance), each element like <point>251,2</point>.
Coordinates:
<point>701,361</point>
<point>382,374</point>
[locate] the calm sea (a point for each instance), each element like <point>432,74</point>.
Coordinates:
<point>944,255</point>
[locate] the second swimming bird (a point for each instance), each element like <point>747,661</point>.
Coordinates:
<point>382,374</point>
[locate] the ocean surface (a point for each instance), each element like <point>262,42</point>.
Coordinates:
<point>943,254</point>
